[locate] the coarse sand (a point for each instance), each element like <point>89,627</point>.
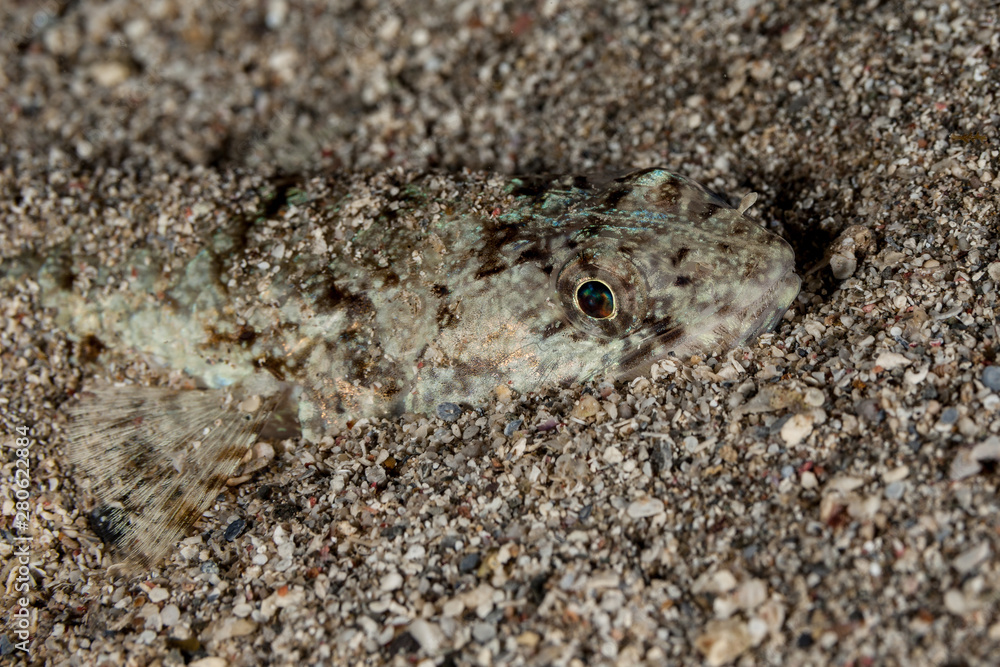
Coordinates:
<point>825,495</point>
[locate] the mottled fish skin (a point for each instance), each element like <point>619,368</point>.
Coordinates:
<point>442,296</point>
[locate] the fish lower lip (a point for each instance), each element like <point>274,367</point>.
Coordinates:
<point>772,305</point>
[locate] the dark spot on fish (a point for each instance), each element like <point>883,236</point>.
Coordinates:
<point>446,316</point>
<point>490,269</point>
<point>498,236</point>
<point>329,297</point>
<point>723,246</point>
<point>183,511</point>
<point>547,269</point>
<point>389,278</point>
<point>243,334</point>
<point>440,290</point>
<point>680,255</point>
<point>530,187</point>
<point>275,366</point>
<point>613,198</point>
<point>277,201</point>
<point>531,254</point>
<point>231,452</point>
<point>681,281</point>
<point>551,329</point>
<point>700,209</point>
<point>666,195</point>
<point>89,349</point>
<point>140,452</point>
<point>216,481</point>
<point>246,334</point>
<point>661,327</point>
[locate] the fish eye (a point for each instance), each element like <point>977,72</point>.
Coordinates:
<point>595,299</point>
<point>602,292</point>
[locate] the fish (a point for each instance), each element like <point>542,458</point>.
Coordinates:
<point>338,299</point>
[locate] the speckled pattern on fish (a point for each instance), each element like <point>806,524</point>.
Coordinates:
<point>316,310</point>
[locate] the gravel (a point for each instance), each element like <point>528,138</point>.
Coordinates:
<point>825,495</point>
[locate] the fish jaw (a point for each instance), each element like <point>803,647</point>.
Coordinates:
<point>726,324</point>
<point>771,306</point>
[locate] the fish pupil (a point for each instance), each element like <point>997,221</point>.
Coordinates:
<point>596,300</point>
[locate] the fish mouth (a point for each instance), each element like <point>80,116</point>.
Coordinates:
<point>765,313</point>
<point>719,328</point>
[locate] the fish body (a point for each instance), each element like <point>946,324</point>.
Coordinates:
<point>344,308</point>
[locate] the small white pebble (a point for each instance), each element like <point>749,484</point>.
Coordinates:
<point>392,581</point>
<point>970,559</point>
<point>645,507</point>
<point>242,609</point>
<point>158,594</point>
<point>796,429</point>
<point>211,661</point>
<point>170,615</point>
<point>613,456</point>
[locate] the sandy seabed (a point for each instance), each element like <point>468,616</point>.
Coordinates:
<point>825,495</point>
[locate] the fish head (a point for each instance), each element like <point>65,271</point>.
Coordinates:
<point>655,264</point>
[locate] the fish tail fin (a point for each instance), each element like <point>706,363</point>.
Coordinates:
<point>157,458</point>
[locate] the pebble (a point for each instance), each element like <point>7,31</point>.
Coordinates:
<point>469,562</point>
<point>449,412</point>
<point>391,581</point>
<point>972,558</point>
<point>645,507</point>
<point>427,634</point>
<point>751,594</point>
<point>234,530</point>
<point>613,456</point>
<point>949,416</point>
<point>242,609</point>
<point>483,632</point>
<point>723,641</point>
<point>969,461</point>
<point>891,360</point>
<point>512,427</point>
<point>895,490</point>
<point>211,661</point>
<point>869,410</point>
<point>170,614</point>
<point>990,377</point>
<point>792,38</point>
<point>796,429</point>
<point>959,603</point>
<point>587,406</point>
<point>158,594</point>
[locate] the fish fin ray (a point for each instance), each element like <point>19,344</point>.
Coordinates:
<point>158,457</point>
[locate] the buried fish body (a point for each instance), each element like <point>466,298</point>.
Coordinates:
<point>332,305</point>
